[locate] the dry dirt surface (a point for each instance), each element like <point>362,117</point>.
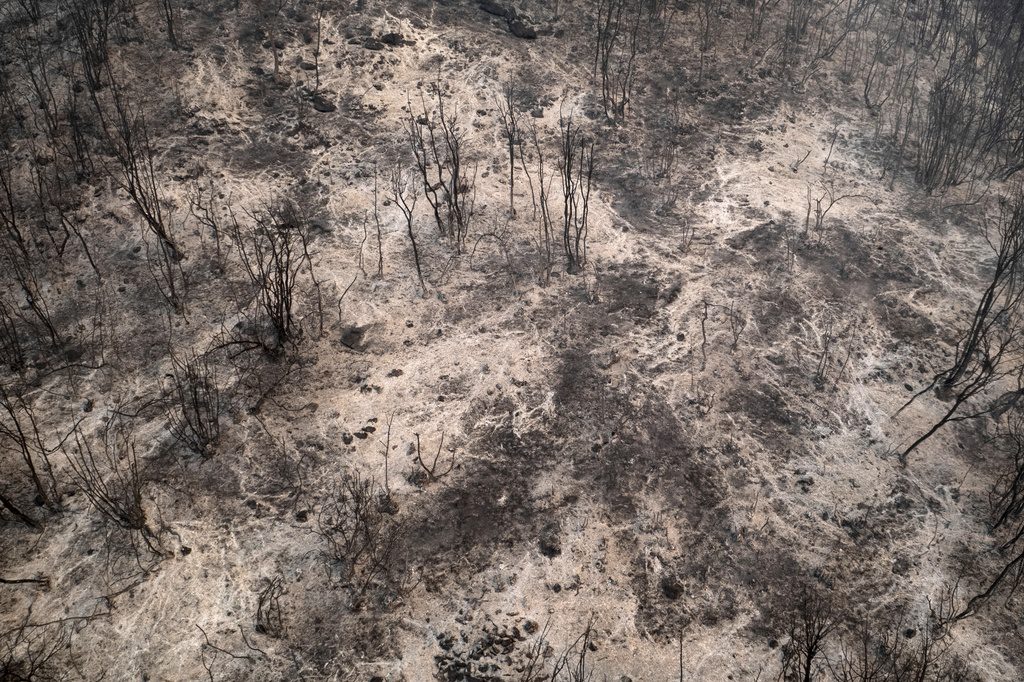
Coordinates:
<point>663,460</point>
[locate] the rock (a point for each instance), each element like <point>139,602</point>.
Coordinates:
<point>307,66</point>
<point>322,105</point>
<point>87,405</point>
<point>671,587</point>
<point>393,39</point>
<point>373,44</point>
<point>496,8</point>
<point>550,542</point>
<point>521,29</point>
<point>354,337</point>
<point>537,112</point>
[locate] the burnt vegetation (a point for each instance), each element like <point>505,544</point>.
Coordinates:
<point>645,376</point>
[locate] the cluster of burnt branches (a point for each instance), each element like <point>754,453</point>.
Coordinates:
<point>986,379</point>
<point>440,150</point>
<point>824,641</point>
<point>362,534</point>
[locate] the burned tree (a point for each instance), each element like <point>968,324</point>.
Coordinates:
<point>357,524</point>
<point>274,250</point>
<point>90,22</point>
<point>108,475</point>
<point>167,8</point>
<point>999,303</point>
<point>126,132</point>
<point>509,113</point>
<point>406,202</point>
<point>21,431</point>
<point>7,503</point>
<point>990,348</point>
<point>576,166</point>
<point>195,412</point>
<point>268,609</point>
<point>438,145</point>
<point>812,623</point>
<point>546,228</point>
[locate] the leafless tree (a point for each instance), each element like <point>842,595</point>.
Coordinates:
<point>438,144</point>
<point>508,110</point>
<point>405,199</point>
<point>195,408</point>
<point>1007,513</point>
<point>268,609</point>
<point>274,250</point>
<point>708,18</point>
<point>108,475</point>
<point>6,502</point>
<point>893,649</point>
<point>32,651</point>
<point>999,303</point>
<point>318,42</point>
<point>356,522</point>
<point>203,208</point>
<point>822,205</point>
<point>32,9</point>
<point>620,31</point>
<point>377,225</point>
<point>572,665</point>
<point>167,7</point>
<point>12,353</point>
<point>813,621</point>
<point>432,471</point>
<point>127,135</point>
<point>91,22</point>
<point>21,431</point>
<point>546,227</point>
<point>990,347</point>
<point>576,166</point>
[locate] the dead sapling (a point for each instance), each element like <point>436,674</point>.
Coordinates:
<point>509,114</point>
<point>812,624</point>
<point>386,446</point>
<point>821,207</point>
<point>109,477</point>
<point>376,223</point>
<point>362,537</point>
<point>405,199</point>
<point>21,432</point>
<point>195,408</point>
<point>268,609</point>
<point>573,665</point>
<point>828,337</point>
<point>432,472</point>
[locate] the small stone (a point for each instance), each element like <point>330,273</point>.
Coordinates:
<point>495,8</point>
<point>550,542</point>
<point>521,29</point>
<point>671,587</point>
